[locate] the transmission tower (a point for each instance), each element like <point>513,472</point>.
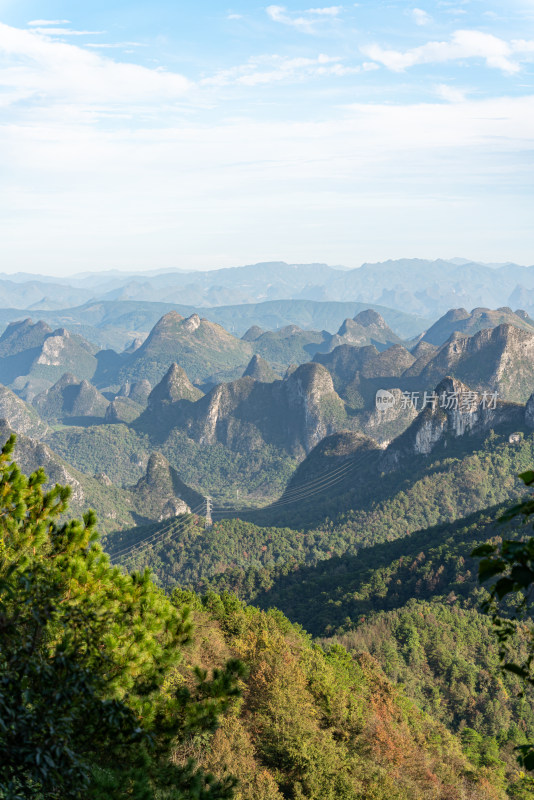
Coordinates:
<point>208,522</point>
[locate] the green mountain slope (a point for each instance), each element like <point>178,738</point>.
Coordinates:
<point>200,347</point>
<point>317,724</point>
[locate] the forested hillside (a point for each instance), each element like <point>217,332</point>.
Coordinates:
<point>355,521</point>
<point>285,716</point>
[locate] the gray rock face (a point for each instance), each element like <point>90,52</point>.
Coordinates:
<point>498,359</point>
<point>161,491</point>
<point>19,416</point>
<point>293,414</point>
<point>457,411</point>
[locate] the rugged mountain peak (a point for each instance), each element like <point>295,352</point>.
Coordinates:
<point>19,416</point>
<point>309,380</point>
<point>260,370</point>
<point>171,318</point>
<point>460,322</point>
<point>63,332</point>
<point>310,394</point>
<point>158,468</point>
<point>201,347</point>
<point>162,491</point>
<point>453,409</point>
<point>134,345</point>
<point>370,318</point>
<point>67,379</point>
<point>22,326</point>
<point>174,386</point>
<point>493,359</point>
<point>123,409</point>
<point>70,397</point>
<point>23,335</point>
<point>366,328</point>
<point>191,323</point>
<point>138,391</point>
<point>423,348</point>
<point>253,333</point>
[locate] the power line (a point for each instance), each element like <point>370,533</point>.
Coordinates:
<point>328,479</point>
<point>315,481</point>
<point>317,485</point>
<point>155,536</point>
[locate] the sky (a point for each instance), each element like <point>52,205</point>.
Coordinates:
<point>170,134</point>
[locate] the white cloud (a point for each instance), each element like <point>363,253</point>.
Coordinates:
<point>234,16</point>
<point>65,32</point>
<point>114,45</point>
<point>306,24</point>
<point>450,93</point>
<point>275,68</point>
<point>420,17</point>
<point>51,72</point>
<point>41,22</point>
<point>464,44</point>
<point>422,175</point>
<point>330,11</point>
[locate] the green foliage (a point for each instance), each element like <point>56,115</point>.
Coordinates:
<point>86,653</point>
<point>317,724</point>
<point>510,567</point>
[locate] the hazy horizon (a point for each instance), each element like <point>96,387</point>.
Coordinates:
<point>142,271</point>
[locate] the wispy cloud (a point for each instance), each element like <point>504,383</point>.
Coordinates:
<point>464,44</point>
<point>275,68</point>
<point>307,23</point>
<point>48,72</point>
<point>421,17</point>
<point>329,11</point>
<point>114,45</point>
<point>65,32</point>
<point>451,93</point>
<point>41,22</point>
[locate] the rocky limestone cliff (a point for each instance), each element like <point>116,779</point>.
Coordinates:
<point>317,408</point>
<point>292,414</point>
<point>457,411</point>
<point>20,417</point>
<point>162,493</point>
<point>390,421</point>
<point>498,359</point>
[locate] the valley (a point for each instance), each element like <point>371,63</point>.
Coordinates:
<point>353,456</point>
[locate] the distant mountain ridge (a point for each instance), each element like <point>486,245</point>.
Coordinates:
<point>421,286</point>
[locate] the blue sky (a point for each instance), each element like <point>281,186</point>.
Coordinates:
<point>170,134</point>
